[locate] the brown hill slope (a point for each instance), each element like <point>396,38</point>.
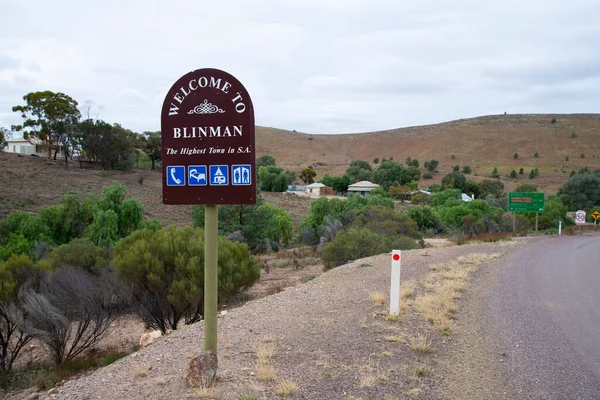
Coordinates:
<point>29,183</point>
<point>483,143</point>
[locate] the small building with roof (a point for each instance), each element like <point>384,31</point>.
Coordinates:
<point>363,188</point>
<point>319,189</point>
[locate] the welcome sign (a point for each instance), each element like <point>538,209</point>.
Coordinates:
<point>208,145</point>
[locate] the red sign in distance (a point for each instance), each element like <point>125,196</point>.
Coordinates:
<point>208,149</point>
<point>396,257</point>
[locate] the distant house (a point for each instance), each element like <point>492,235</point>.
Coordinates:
<point>19,146</point>
<point>363,188</point>
<point>466,197</point>
<point>25,147</point>
<point>319,189</point>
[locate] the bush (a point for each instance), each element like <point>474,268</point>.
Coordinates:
<point>526,187</point>
<point>452,213</point>
<point>553,121</point>
<point>104,231</point>
<point>425,218</point>
<point>15,273</point>
<point>72,311</point>
<point>419,198</point>
<point>521,223</point>
<point>79,253</point>
<point>376,230</point>
<point>19,232</point>
<point>455,180</point>
<point>165,270</point>
<point>489,187</point>
<point>255,222</point>
<point>467,169</point>
<point>495,173</point>
<point>356,243</point>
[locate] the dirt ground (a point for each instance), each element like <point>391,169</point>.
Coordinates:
<point>31,183</point>
<point>325,338</point>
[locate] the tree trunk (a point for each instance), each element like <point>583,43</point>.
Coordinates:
<point>49,144</point>
<point>152,168</point>
<point>55,152</point>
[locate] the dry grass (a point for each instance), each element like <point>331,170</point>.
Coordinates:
<point>420,371</point>
<point>378,298</point>
<point>407,289</point>
<point>266,351</point>
<point>420,344</point>
<point>368,381</point>
<point>395,339</point>
<point>286,388</point>
<point>265,372</point>
<point>205,393</point>
<point>413,392</point>
<point>276,287</point>
<point>444,285</point>
<point>140,372</point>
<point>268,339</point>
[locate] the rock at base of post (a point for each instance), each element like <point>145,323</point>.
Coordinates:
<point>202,371</point>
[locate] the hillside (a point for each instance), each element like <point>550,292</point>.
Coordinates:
<point>483,143</point>
<point>30,183</point>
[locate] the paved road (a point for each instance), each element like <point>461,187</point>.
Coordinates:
<point>543,317</point>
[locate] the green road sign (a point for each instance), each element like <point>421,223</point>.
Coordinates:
<point>526,202</point>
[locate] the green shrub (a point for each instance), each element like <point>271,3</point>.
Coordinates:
<point>376,230</point>
<point>80,253</point>
<point>419,198</point>
<point>424,217</point>
<point>495,173</point>
<point>104,231</point>
<point>18,233</point>
<point>356,243</point>
<point>255,222</point>
<point>165,270</point>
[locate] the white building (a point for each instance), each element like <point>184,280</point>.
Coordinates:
<point>25,147</point>
<point>363,188</point>
<point>314,188</point>
<point>19,146</point>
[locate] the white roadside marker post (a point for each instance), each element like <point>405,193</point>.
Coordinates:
<point>559,227</point>
<point>395,283</point>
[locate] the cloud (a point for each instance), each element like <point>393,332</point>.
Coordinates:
<point>312,65</point>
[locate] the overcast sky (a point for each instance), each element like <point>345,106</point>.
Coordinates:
<point>316,66</point>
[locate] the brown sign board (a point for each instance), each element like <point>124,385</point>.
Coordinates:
<point>208,150</point>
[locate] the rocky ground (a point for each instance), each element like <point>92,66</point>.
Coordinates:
<point>327,338</point>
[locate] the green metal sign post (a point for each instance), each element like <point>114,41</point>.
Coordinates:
<point>211,278</point>
<point>526,202</point>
